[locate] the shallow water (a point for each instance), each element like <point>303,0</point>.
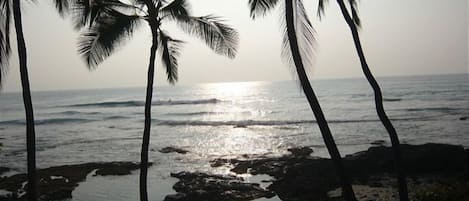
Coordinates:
<point>223,120</point>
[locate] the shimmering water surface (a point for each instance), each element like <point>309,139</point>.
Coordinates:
<point>223,120</point>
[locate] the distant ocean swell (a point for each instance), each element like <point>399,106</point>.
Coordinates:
<point>77,113</point>
<point>59,121</point>
<point>242,123</point>
<point>245,123</point>
<point>134,103</point>
<point>47,121</point>
<point>201,113</point>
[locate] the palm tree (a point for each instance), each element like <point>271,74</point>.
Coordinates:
<point>109,22</point>
<point>7,6</point>
<point>353,21</point>
<point>297,46</point>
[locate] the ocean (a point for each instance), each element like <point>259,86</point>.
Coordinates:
<point>223,120</point>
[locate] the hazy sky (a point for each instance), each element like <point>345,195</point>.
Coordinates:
<point>400,37</point>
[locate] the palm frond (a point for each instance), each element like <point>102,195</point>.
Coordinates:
<point>170,51</point>
<point>261,7</point>
<point>304,35</point>
<point>321,7</point>
<point>85,12</point>
<point>220,37</point>
<point>355,17</point>
<point>6,22</point>
<point>5,50</point>
<point>108,32</point>
<point>144,2</point>
<point>63,6</point>
<point>176,9</point>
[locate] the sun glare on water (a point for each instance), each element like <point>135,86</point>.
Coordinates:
<point>232,90</point>
<point>239,109</point>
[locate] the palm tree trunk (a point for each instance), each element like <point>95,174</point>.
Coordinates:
<point>347,190</point>
<point>403,193</point>
<point>146,131</point>
<point>28,105</point>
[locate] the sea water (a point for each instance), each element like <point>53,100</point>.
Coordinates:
<point>223,120</point>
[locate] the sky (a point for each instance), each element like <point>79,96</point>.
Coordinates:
<point>400,37</point>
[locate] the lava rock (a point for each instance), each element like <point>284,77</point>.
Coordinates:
<point>199,186</point>
<point>301,151</point>
<point>167,150</point>
<point>4,169</point>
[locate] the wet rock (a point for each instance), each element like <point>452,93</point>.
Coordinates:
<point>173,150</point>
<point>378,142</point>
<point>301,151</point>
<point>463,118</point>
<point>4,169</point>
<point>176,197</point>
<point>57,183</point>
<point>205,187</point>
<point>418,159</point>
<point>307,178</point>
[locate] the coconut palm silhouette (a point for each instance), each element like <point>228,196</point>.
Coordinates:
<point>107,23</point>
<point>298,50</point>
<point>7,7</point>
<point>353,21</point>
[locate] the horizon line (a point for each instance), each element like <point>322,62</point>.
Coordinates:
<point>215,82</point>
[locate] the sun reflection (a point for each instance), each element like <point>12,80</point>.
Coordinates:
<point>241,104</point>
<point>232,90</point>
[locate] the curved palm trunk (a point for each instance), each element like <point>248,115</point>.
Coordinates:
<point>403,193</point>
<point>28,105</point>
<point>314,104</point>
<point>146,131</point>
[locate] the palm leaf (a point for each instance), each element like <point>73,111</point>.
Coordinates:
<point>261,7</point>
<point>220,37</point>
<point>176,9</point>
<point>353,7</point>
<point>304,33</point>
<point>170,51</point>
<point>108,32</point>
<point>144,2</point>
<point>63,6</point>
<point>5,50</point>
<point>321,7</point>
<point>85,12</point>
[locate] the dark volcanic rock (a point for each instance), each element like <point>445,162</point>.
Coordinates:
<point>4,169</point>
<point>173,149</point>
<point>378,142</point>
<point>57,183</point>
<point>307,178</point>
<point>418,159</point>
<point>301,151</point>
<point>204,187</point>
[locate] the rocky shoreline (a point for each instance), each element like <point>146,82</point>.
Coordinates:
<point>436,172</point>
<point>57,183</point>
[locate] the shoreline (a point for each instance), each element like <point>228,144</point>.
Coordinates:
<point>58,183</point>
<point>437,168</point>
